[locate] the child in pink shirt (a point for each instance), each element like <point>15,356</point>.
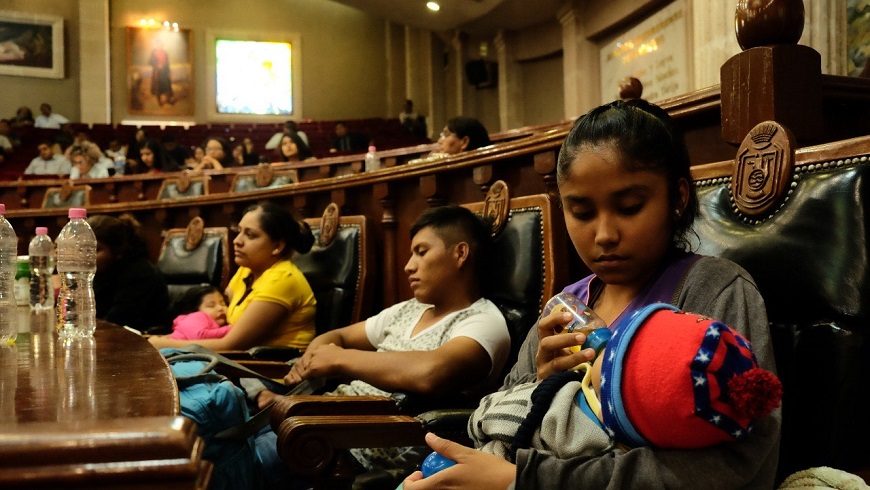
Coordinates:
<point>205,315</point>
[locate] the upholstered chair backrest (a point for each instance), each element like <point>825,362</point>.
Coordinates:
<point>810,259</point>
<point>185,267</point>
<point>337,272</point>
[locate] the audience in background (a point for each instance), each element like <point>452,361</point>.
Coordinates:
<point>128,289</point>
<point>195,159</point>
<point>48,162</point>
<point>289,128</point>
<point>412,122</point>
<point>346,141</point>
<point>153,159</point>
<point>133,149</point>
<point>86,162</point>
<point>462,134</point>
<point>48,119</point>
<point>23,118</point>
<point>293,149</point>
<point>251,155</point>
<point>217,154</point>
<point>176,154</point>
<point>116,150</point>
<point>5,136</point>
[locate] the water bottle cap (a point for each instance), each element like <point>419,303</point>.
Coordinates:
<point>41,230</point>
<point>78,213</point>
<point>2,208</point>
<point>372,149</point>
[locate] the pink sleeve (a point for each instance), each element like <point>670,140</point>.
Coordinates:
<point>214,332</point>
<point>188,327</point>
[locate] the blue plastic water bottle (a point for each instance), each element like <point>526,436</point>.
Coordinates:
<point>435,463</point>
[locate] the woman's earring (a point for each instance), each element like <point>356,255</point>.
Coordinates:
<point>677,213</point>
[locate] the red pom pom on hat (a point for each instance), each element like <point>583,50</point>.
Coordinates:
<point>754,393</point>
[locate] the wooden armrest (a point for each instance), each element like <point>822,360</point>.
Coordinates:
<point>309,405</point>
<point>312,445</point>
<point>263,353</point>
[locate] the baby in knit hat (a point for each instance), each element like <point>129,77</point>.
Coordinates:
<point>666,378</point>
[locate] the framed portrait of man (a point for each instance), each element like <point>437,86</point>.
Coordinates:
<point>160,78</point>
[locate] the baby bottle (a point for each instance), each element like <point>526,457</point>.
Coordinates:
<point>585,321</point>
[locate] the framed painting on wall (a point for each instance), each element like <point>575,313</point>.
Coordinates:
<point>31,45</point>
<point>159,72</point>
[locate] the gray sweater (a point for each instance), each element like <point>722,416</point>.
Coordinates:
<point>719,289</point>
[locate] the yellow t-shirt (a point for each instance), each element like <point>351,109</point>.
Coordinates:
<point>283,283</point>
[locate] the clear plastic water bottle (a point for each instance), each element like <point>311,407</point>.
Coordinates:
<point>76,264</point>
<point>373,162</point>
<point>8,266</point>
<point>41,267</point>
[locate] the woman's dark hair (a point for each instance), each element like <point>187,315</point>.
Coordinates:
<point>227,160</point>
<point>279,224</point>
<point>161,161</point>
<point>455,224</point>
<point>302,150</point>
<point>647,139</point>
<point>191,299</point>
<point>472,128</point>
<point>121,235</point>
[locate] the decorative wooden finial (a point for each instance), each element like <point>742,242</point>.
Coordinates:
<point>630,88</point>
<point>768,22</point>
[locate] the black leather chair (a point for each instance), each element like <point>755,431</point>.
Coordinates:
<point>194,256</point>
<point>810,259</point>
<point>315,432</point>
<point>337,272</point>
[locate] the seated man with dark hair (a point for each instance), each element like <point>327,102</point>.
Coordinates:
<point>447,338</point>
<point>348,141</point>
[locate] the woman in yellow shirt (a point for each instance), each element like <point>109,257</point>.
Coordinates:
<point>271,302</point>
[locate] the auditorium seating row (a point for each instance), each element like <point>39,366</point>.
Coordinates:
<point>385,133</point>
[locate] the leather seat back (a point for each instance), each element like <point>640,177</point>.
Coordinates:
<point>524,276</point>
<point>810,261</point>
<point>184,269</point>
<point>337,273</point>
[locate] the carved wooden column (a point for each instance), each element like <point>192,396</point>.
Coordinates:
<point>429,190</point>
<point>382,193</point>
<point>482,176</point>
<point>773,79</point>
<point>545,166</point>
<point>300,205</point>
<point>510,84</point>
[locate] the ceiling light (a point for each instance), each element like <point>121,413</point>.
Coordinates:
<point>433,6</point>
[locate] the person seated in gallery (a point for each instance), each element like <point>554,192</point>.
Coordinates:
<point>289,128</point>
<point>23,118</point>
<point>459,134</point>
<point>48,119</point>
<point>348,142</point>
<point>448,337</point>
<point>88,162</point>
<point>128,288</point>
<point>218,155</point>
<point>293,149</point>
<point>48,162</point>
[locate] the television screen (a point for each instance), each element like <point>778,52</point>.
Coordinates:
<point>254,77</point>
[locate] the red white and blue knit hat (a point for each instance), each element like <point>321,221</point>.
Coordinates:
<point>677,380</point>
